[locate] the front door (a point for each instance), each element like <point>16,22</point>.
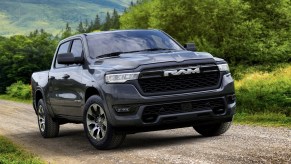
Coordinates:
<point>65,84</point>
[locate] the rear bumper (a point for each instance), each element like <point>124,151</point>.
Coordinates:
<point>127,96</point>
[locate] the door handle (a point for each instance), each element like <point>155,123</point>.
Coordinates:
<point>66,76</point>
<point>52,77</point>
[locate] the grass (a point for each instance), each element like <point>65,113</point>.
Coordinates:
<point>265,92</point>
<point>12,154</point>
<point>6,97</point>
<point>263,119</point>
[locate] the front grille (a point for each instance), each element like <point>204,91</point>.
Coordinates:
<point>154,82</point>
<point>151,113</point>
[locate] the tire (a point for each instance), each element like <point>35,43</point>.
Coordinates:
<point>47,126</point>
<point>213,129</point>
<point>97,127</point>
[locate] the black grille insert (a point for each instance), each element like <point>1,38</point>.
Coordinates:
<point>151,113</point>
<point>152,82</point>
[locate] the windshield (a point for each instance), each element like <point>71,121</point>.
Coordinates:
<point>129,41</point>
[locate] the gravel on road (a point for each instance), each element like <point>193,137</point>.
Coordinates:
<point>241,144</point>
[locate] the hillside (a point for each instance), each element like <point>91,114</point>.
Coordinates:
<point>23,16</point>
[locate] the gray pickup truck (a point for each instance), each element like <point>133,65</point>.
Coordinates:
<point>129,81</point>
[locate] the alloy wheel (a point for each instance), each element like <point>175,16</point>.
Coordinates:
<point>96,122</point>
<point>41,118</point>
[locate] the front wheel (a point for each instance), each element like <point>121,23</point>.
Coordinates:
<point>213,129</point>
<point>97,127</point>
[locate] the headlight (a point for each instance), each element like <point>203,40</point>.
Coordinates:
<point>223,67</point>
<point>121,78</point>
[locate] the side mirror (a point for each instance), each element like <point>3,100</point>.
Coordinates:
<point>68,58</point>
<point>190,47</point>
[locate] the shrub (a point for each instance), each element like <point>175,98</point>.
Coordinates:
<point>19,90</point>
<point>261,92</point>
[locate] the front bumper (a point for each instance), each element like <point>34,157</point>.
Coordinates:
<point>126,95</point>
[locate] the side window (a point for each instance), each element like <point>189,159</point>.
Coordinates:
<point>77,48</point>
<point>62,49</point>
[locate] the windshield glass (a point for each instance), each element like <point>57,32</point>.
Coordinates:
<point>129,41</point>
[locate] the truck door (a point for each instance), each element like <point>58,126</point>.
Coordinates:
<point>65,83</point>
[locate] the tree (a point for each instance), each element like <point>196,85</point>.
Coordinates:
<point>132,18</point>
<point>80,28</point>
<point>90,27</point>
<point>97,23</point>
<point>67,32</point>
<point>273,30</point>
<point>241,31</point>
<point>107,24</point>
<point>115,24</point>
<point>20,56</point>
<point>86,25</point>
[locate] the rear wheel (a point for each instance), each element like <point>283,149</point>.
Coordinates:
<point>97,127</point>
<point>213,129</point>
<point>47,126</point>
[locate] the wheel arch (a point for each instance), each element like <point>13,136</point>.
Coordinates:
<point>90,91</point>
<point>38,96</point>
<point>93,91</point>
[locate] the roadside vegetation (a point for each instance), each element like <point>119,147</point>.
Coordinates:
<point>12,154</point>
<point>253,36</point>
<point>265,92</point>
<point>264,98</point>
<point>263,119</point>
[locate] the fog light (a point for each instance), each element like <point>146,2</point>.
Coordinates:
<point>122,110</point>
<point>125,109</point>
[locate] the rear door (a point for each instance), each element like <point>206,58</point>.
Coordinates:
<point>65,86</point>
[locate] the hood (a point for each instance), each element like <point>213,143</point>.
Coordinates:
<point>133,60</point>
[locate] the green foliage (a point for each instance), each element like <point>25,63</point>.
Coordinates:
<point>10,153</point>
<point>20,56</point>
<point>115,23</point>
<point>263,119</point>
<point>111,21</point>
<point>262,92</point>
<point>240,70</point>
<point>246,32</point>
<point>137,16</point>
<point>19,90</point>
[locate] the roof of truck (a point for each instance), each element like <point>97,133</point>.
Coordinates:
<point>105,32</point>
<point>113,31</point>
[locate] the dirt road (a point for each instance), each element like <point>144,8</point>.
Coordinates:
<point>241,144</point>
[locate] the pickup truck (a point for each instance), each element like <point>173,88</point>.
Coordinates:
<point>128,81</point>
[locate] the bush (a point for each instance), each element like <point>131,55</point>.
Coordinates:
<point>240,31</point>
<point>261,92</point>
<point>19,90</point>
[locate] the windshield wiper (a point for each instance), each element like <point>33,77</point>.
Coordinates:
<point>112,54</point>
<point>155,49</point>
<point>150,49</point>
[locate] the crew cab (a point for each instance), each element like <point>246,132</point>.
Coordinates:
<point>128,81</point>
